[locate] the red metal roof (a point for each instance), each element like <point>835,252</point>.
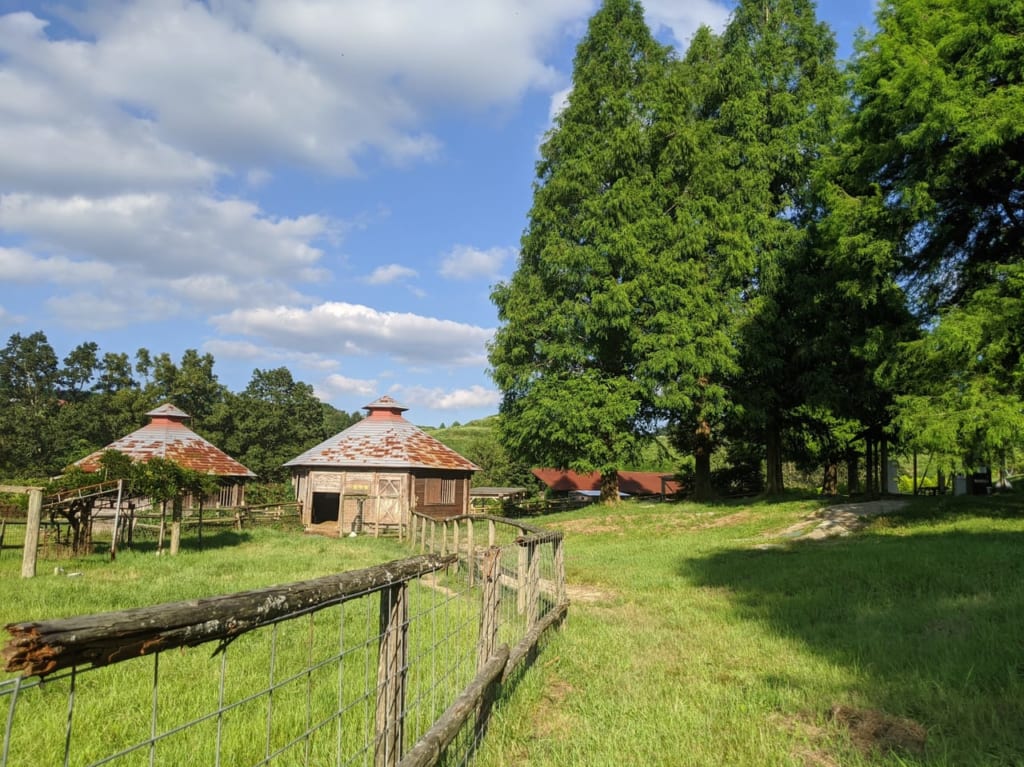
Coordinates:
<point>632,482</point>
<point>383,439</point>
<point>167,436</point>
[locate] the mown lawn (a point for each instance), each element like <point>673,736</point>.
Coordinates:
<point>690,642</point>
<point>700,635</point>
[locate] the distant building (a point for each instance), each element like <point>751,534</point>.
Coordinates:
<point>167,436</point>
<point>643,483</point>
<point>376,472</point>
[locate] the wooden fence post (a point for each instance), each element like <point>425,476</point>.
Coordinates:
<point>444,537</point>
<point>560,589</point>
<point>532,584</point>
<point>488,641</point>
<point>521,579</point>
<point>433,533</point>
<point>412,529</point>
<point>391,671</point>
<point>455,542</point>
<point>491,532</point>
<point>423,536</point>
<point>31,550</point>
<point>470,554</point>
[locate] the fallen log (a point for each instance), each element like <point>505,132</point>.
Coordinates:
<point>43,647</point>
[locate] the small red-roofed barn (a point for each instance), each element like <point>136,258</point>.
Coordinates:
<point>167,436</point>
<point>377,471</point>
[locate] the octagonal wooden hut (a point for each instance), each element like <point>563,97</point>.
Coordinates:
<point>167,436</point>
<point>375,473</point>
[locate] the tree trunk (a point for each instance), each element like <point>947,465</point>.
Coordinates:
<point>830,482</point>
<point>852,477</point>
<point>702,489</point>
<point>610,487</point>
<point>869,466</point>
<point>883,467</point>
<point>774,483</point>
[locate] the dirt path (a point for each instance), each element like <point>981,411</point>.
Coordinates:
<point>841,519</point>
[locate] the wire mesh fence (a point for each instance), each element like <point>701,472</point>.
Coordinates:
<point>389,665</point>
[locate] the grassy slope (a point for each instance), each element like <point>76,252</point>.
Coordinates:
<point>686,645</point>
<point>657,454</point>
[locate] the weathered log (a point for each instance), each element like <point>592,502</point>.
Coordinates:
<point>43,647</point>
<point>430,747</point>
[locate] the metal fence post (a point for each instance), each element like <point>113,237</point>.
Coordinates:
<point>392,666</point>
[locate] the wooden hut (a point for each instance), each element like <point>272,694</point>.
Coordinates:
<point>375,473</point>
<point>167,436</point>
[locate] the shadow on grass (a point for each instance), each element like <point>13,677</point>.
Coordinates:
<point>933,623</point>
<point>221,539</point>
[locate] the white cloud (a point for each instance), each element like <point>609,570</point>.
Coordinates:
<point>466,263</point>
<point>178,92</point>
<point>385,275</point>
<point>559,101</point>
<point>167,235</point>
<point>343,328</point>
<point>683,19</point>
<point>117,305</point>
<point>17,265</point>
<point>9,318</point>
<point>440,399</point>
<point>339,385</point>
<point>248,351</point>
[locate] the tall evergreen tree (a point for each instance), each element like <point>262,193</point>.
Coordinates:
<point>935,175</point>
<point>565,355</point>
<point>781,96</point>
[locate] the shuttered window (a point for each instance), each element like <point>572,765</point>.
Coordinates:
<point>440,492</point>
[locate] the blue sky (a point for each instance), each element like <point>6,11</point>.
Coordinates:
<point>333,186</point>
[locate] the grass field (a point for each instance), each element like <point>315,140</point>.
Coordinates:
<point>700,635</point>
<point>689,645</point>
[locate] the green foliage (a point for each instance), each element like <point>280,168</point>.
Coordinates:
<point>565,355</point>
<point>273,420</point>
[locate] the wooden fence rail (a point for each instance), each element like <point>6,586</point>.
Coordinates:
<point>519,596</point>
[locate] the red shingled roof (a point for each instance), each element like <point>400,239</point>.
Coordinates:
<point>632,482</point>
<point>167,436</point>
<point>383,439</point>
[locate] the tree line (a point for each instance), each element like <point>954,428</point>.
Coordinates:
<point>771,256</point>
<point>54,412</point>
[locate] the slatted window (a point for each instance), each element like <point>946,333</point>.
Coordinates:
<point>440,492</point>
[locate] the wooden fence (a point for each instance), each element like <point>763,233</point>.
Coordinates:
<point>326,679</point>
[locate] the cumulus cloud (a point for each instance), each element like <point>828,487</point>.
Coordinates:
<point>683,19</point>
<point>309,82</point>
<point>20,266</point>
<point>338,385</point>
<point>385,275</point>
<point>170,236</point>
<point>9,318</point>
<point>464,262</point>
<point>439,399</point>
<point>341,328</point>
<point>246,350</point>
